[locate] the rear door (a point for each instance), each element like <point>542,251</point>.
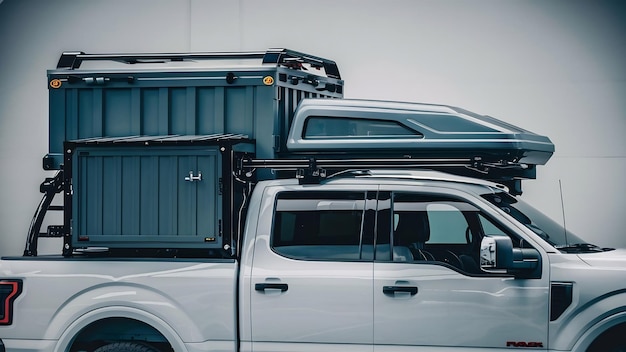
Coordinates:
<point>439,298</point>
<point>311,281</point>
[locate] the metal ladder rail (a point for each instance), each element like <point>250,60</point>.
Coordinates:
<point>50,187</point>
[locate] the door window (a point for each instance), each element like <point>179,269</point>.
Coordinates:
<point>440,229</point>
<point>319,225</point>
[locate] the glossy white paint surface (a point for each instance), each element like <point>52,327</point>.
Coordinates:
<point>62,296</point>
<point>452,309</point>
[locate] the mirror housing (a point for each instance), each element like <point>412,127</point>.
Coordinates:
<point>497,254</point>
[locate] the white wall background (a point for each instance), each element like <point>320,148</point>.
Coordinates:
<point>555,67</point>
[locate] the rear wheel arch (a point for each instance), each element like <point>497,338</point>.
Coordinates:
<point>119,334</point>
<point>147,328</point>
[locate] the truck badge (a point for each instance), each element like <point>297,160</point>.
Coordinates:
<point>523,344</point>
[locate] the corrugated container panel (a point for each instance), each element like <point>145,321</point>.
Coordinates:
<point>141,100</point>
<point>250,110</point>
<point>125,197</point>
<point>162,111</point>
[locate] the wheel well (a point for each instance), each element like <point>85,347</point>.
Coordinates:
<point>610,340</point>
<point>118,329</point>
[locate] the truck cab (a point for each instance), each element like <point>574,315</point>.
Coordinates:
<point>420,259</point>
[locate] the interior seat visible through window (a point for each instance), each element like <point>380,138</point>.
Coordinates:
<point>412,231</point>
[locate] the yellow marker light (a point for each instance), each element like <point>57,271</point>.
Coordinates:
<point>268,80</point>
<point>55,83</point>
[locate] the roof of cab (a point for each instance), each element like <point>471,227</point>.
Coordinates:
<point>417,175</point>
<point>389,176</point>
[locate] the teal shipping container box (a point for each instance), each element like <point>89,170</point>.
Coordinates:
<point>146,144</point>
<point>248,93</point>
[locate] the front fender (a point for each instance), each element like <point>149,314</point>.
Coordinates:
<point>590,336</point>
<point>577,329</point>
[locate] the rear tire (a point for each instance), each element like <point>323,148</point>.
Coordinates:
<point>126,347</point>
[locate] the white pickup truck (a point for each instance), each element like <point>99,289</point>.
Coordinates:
<point>251,208</point>
<point>370,260</point>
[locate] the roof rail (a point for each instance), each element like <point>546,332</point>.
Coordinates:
<point>314,170</point>
<point>72,60</point>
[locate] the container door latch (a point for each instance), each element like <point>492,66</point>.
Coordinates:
<point>192,178</point>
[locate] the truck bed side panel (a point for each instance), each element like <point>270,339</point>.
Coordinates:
<point>194,299</point>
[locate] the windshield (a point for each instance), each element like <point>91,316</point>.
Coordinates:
<point>543,226</point>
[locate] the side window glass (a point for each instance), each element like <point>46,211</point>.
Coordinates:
<point>440,229</point>
<point>489,228</point>
<point>347,127</point>
<point>447,222</point>
<point>318,225</point>
<point>436,228</point>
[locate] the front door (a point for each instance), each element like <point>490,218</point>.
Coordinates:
<point>439,298</point>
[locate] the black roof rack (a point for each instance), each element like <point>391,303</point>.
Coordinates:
<point>165,140</point>
<point>314,170</point>
<point>72,60</point>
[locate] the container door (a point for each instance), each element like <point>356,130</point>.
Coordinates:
<point>437,297</point>
<point>147,198</point>
<point>311,282</point>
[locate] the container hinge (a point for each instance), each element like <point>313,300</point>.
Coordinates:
<point>277,143</point>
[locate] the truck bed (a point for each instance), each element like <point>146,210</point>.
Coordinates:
<point>61,292</point>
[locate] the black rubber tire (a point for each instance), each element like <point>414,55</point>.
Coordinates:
<point>612,340</point>
<point>126,347</point>
<point>608,347</point>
